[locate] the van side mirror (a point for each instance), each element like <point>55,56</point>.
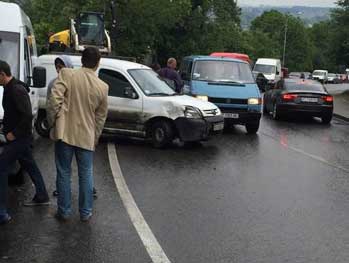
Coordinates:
<point>130,93</point>
<point>277,72</point>
<point>39,77</point>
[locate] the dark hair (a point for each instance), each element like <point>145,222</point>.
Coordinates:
<point>59,61</point>
<point>90,57</point>
<point>4,67</point>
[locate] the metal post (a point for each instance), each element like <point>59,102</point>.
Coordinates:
<point>285,40</point>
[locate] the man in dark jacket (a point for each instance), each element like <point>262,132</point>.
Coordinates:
<point>171,74</point>
<point>17,128</point>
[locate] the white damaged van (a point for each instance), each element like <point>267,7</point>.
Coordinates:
<point>140,104</point>
<point>18,49</point>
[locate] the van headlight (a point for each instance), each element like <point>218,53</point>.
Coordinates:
<point>254,101</point>
<point>192,113</point>
<point>202,97</point>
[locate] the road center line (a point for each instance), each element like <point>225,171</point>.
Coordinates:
<point>150,243</point>
<point>312,156</point>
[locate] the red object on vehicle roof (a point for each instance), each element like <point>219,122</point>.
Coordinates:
<point>240,56</point>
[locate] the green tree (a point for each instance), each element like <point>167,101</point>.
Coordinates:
<point>340,37</point>
<point>321,35</point>
<point>267,36</point>
<point>160,27</point>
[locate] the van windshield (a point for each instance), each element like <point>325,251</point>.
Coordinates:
<point>151,83</point>
<point>222,71</point>
<point>318,73</point>
<point>265,69</point>
<point>9,50</point>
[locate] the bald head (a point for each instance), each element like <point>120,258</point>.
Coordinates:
<point>172,63</point>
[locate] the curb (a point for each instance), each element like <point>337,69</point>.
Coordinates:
<point>341,117</point>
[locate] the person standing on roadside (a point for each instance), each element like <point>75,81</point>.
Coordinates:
<point>77,110</point>
<point>61,62</point>
<point>17,128</point>
<point>171,74</point>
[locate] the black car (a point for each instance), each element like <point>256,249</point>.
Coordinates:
<point>299,97</point>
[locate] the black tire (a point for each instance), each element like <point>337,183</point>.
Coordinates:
<point>41,126</point>
<point>326,119</point>
<point>276,114</point>
<point>265,110</point>
<point>252,128</point>
<point>162,134</point>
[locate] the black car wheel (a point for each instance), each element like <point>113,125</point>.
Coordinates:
<point>41,126</point>
<point>162,134</point>
<point>326,119</point>
<point>276,115</point>
<point>265,110</point>
<point>252,128</point>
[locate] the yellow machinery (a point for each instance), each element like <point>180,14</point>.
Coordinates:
<point>86,30</point>
<point>60,41</point>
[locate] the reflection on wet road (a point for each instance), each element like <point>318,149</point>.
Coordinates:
<point>279,196</point>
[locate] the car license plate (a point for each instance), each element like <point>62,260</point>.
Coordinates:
<point>231,115</point>
<point>218,126</point>
<point>309,99</point>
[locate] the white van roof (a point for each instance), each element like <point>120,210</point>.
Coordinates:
<point>268,61</point>
<point>123,65</point>
<point>12,18</point>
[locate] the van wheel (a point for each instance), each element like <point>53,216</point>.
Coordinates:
<point>162,134</point>
<point>265,111</point>
<point>41,126</point>
<point>252,128</point>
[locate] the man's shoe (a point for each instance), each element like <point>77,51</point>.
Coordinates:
<point>5,219</point>
<point>86,218</point>
<point>37,202</point>
<point>61,217</point>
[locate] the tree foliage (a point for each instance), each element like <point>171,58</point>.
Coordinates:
<point>159,29</point>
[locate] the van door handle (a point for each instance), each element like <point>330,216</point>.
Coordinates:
<point>33,92</point>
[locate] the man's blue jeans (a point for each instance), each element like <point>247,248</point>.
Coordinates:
<point>20,150</point>
<point>84,158</point>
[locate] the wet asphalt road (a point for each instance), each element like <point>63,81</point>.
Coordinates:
<point>279,196</point>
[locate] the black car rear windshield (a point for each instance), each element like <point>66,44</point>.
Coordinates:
<point>304,85</point>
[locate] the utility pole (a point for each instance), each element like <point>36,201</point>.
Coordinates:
<point>285,41</point>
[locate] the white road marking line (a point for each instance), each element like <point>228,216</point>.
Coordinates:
<point>152,246</point>
<point>312,156</point>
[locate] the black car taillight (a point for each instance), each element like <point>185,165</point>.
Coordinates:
<point>289,97</point>
<point>328,98</point>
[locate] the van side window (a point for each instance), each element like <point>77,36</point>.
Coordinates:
<point>185,70</point>
<point>116,81</point>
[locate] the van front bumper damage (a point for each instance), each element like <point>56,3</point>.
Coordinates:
<point>191,130</point>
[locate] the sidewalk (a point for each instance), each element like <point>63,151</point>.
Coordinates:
<point>341,100</point>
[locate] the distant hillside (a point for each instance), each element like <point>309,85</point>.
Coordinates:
<point>309,15</point>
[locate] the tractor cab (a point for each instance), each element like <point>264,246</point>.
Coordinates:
<point>88,29</point>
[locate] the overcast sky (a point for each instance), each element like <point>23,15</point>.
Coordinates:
<point>288,2</point>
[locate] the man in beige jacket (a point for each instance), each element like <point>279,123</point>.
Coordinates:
<point>77,110</point>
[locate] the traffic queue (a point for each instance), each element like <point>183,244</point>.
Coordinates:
<point>218,90</point>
